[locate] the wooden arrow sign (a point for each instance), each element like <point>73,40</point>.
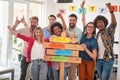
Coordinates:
<point>63,59</point>
<point>62,52</point>
<point>63,46</point>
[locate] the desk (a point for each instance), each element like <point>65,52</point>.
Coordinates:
<point>4,70</point>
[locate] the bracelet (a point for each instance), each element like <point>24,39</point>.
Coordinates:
<point>111,11</point>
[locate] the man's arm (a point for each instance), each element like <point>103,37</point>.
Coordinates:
<point>24,22</point>
<point>17,22</point>
<point>113,19</point>
<point>12,31</point>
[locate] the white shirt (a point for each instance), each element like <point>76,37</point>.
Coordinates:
<point>37,51</point>
<point>101,47</point>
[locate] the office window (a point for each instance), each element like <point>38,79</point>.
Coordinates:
<point>3,31</point>
<point>34,12</point>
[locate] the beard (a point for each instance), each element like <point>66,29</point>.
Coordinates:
<point>32,27</point>
<point>71,25</point>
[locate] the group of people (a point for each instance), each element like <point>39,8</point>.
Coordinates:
<point>97,54</point>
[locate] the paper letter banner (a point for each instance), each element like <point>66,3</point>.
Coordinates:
<point>119,8</point>
<point>72,8</point>
<point>102,10</point>
<point>62,11</point>
<point>80,10</point>
<point>115,8</point>
<point>92,9</point>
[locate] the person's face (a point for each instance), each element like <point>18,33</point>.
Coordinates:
<point>100,25</point>
<point>72,22</point>
<point>33,24</point>
<point>90,28</point>
<point>38,33</point>
<point>51,20</point>
<point>57,31</point>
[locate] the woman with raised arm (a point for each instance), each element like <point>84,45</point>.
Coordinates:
<point>35,53</point>
<point>89,43</point>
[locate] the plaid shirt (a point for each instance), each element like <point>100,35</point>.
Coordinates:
<point>108,40</point>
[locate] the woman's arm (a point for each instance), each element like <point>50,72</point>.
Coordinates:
<point>23,37</point>
<point>83,13</point>
<point>92,54</point>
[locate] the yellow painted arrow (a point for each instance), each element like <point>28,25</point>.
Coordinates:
<point>61,39</point>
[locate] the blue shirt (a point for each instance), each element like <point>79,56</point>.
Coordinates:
<point>91,44</point>
<point>46,33</point>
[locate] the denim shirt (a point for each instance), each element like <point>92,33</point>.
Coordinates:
<point>91,44</point>
<point>46,33</point>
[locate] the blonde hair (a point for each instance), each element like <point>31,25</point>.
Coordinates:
<point>42,37</point>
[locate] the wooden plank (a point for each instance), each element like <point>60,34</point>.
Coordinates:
<point>60,39</point>
<point>62,52</point>
<point>61,71</point>
<point>63,39</point>
<point>63,59</point>
<point>63,46</point>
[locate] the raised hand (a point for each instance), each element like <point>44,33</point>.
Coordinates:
<point>23,21</point>
<point>110,8</point>
<point>59,15</point>
<point>12,31</point>
<point>82,5</point>
<point>17,21</point>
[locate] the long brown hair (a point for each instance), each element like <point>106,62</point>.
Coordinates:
<point>42,37</point>
<point>94,32</point>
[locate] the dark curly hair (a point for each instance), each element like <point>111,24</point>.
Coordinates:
<point>54,25</point>
<point>100,17</point>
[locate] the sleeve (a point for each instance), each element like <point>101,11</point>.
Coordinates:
<point>94,44</point>
<point>23,37</point>
<point>79,35</point>
<point>111,29</point>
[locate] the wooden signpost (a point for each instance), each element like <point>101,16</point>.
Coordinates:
<point>62,49</point>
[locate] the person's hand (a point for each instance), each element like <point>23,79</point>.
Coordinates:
<point>22,19</point>
<point>73,35</point>
<point>59,15</point>
<point>82,5</point>
<point>84,46</point>
<point>17,21</point>
<point>11,30</point>
<point>63,34</point>
<point>110,8</point>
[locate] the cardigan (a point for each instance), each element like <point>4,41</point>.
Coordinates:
<point>30,40</point>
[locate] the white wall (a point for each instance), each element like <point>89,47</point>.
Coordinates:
<point>52,8</point>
